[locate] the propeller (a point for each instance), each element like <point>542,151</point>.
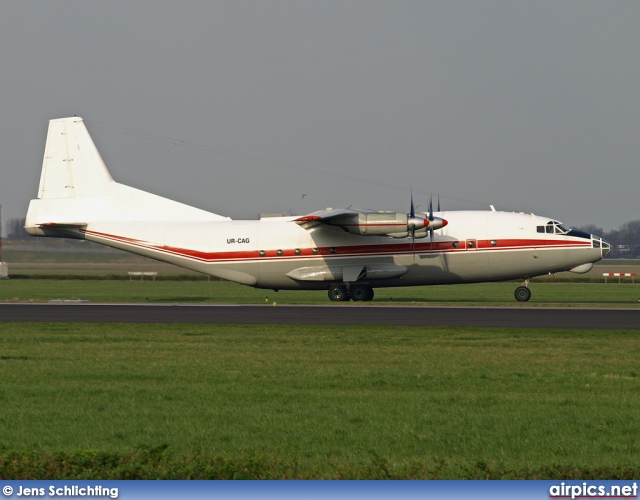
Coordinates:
<point>423,224</point>
<point>414,223</point>
<point>434,222</point>
<point>431,219</point>
<point>412,226</point>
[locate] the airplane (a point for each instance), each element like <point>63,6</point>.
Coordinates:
<point>348,252</point>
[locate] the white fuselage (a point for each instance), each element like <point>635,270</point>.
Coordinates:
<point>476,246</point>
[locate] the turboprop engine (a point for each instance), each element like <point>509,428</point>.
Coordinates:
<point>377,223</point>
<point>391,224</point>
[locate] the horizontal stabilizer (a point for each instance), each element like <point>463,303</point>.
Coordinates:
<point>63,225</point>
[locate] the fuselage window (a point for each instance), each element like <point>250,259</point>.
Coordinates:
<point>540,229</point>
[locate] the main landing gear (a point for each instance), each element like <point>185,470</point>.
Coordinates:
<point>523,294</point>
<point>343,293</point>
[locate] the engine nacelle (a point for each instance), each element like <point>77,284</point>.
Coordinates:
<point>375,224</point>
<point>391,224</point>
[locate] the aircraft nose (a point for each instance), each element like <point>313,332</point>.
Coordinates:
<point>605,247</point>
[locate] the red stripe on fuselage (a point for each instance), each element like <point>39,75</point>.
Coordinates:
<point>406,248</point>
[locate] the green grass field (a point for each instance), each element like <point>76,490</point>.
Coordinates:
<point>214,401</point>
<point>222,401</point>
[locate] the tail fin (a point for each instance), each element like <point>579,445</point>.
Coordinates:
<point>76,188</point>
<point>72,166</point>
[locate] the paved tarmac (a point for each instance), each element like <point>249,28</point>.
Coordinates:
<point>627,319</point>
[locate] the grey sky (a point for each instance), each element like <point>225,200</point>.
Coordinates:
<point>530,106</point>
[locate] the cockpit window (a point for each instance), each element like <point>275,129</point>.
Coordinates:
<point>553,227</point>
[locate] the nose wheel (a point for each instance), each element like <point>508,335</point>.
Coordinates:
<point>522,294</point>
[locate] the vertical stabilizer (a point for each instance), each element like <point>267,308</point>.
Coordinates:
<point>72,166</point>
<point>76,189</point>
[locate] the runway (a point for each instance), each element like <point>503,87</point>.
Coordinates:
<point>625,319</point>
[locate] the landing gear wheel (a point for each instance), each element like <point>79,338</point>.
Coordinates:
<point>523,294</point>
<point>338,293</point>
<point>361,292</point>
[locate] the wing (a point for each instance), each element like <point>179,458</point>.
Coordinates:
<point>329,217</point>
<point>58,229</point>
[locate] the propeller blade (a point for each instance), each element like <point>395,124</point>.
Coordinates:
<point>412,226</point>
<point>413,242</point>
<point>412,212</point>
<point>431,208</point>
<point>431,220</point>
<point>439,201</point>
